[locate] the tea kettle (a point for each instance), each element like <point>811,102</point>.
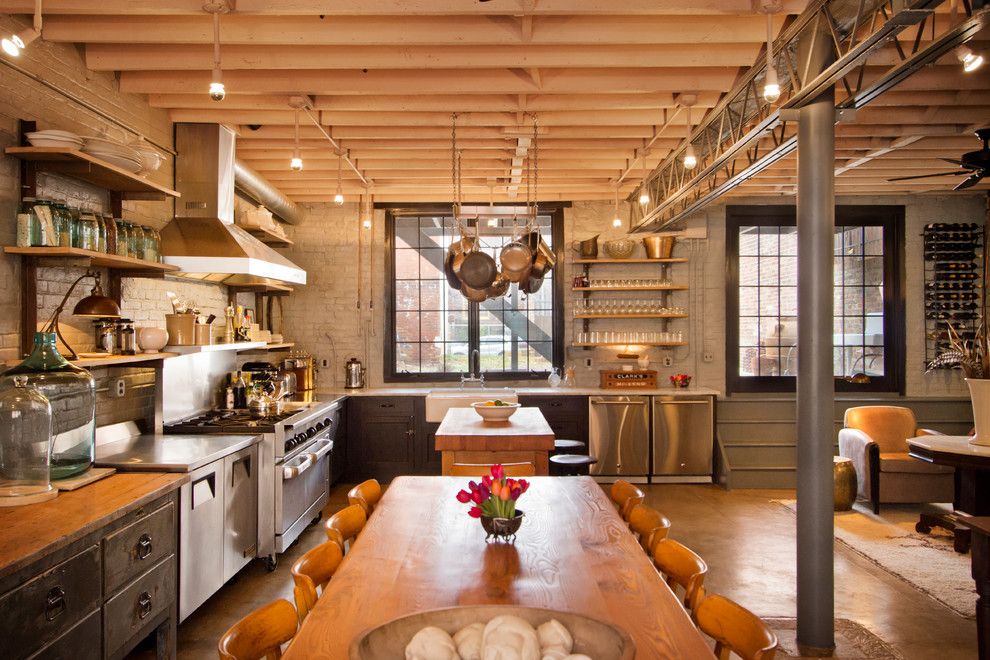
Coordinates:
<point>353,374</point>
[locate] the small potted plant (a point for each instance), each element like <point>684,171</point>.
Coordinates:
<point>973,357</point>
<point>494,503</point>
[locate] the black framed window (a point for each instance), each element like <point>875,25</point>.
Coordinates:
<point>433,329</point>
<point>761,298</point>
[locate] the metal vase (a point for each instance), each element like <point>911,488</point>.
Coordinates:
<point>501,529</point>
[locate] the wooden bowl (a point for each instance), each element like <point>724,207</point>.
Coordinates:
<point>592,637</point>
<point>495,413</point>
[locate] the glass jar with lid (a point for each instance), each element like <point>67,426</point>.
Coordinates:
<point>45,232</point>
<point>27,222</point>
<point>74,226</point>
<point>71,391</point>
<point>25,445</point>
<point>63,224</point>
<point>121,235</point>
<point>89,231</point>
<point>111,229</point>
<point>138,242</point>
<point>151,245</point>
<point>101,232</point>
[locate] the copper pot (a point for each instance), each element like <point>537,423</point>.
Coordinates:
<point>659,247</point>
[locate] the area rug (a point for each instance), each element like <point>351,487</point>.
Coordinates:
<point>925,561</point>
<point>852,641</point>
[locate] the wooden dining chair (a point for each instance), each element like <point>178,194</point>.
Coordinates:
<point>314,569</point>
<point>626,496</point>
<point>481,469</point>
<point>735,629</point>
<point>682,567</point>
<point>649,525</point>
<point>366,494</point>
<point>344,526</point>
<point>261,633</point>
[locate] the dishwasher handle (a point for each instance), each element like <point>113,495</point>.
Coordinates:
<point>680,403</point>
<point>604,402</point>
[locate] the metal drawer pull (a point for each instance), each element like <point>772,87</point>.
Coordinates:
<point>144,605</point>
<point>618,403</point>
<point>54,603</point>
<point>144,546</point>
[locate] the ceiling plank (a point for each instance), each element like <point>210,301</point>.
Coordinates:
<point>386,31</point>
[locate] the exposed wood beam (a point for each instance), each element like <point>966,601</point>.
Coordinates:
<point>151,57</point>
<point>438,103</point>
<point>239,28</point>
<point>398,7</point>
<point>441,81</point>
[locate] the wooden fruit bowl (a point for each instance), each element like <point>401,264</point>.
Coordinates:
<point>592,637</point>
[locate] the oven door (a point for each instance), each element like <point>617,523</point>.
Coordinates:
<point>302,485</point>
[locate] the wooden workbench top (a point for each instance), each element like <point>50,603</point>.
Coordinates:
<point>462,429</point>
<point>34,530</point>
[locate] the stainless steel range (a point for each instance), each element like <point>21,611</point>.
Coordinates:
<point>296,451</point>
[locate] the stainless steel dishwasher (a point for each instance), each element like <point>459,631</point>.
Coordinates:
<point>619,435</point>
<point>683,429</point>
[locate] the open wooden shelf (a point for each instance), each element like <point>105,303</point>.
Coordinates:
<point>283,346</point>
<point>80,165</point>
<point>672,260</point>
<point>269,237</point>
<point>630,343</point>
<point>117,360</point>
<point>99,259</point>
<point>671,287</point>
<point>630,316</point>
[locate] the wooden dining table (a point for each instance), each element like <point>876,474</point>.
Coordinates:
<point>421,551</point>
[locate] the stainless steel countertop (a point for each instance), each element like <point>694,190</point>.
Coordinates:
<point>169,453</point>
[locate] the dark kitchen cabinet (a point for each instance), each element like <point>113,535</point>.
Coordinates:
<point>338,459</point>
<point>381,437</point>
<point>567,415</point>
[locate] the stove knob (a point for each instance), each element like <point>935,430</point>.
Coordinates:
<point>327,422</point>
<point>288,445</point>
<point>310,433</point>
<point>319,426</point>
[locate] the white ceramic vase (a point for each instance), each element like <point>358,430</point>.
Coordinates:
<point>979,394</point>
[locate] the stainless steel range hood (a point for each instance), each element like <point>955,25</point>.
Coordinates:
<point>203,240</point>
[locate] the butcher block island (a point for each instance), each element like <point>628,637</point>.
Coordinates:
<point>465,439</point>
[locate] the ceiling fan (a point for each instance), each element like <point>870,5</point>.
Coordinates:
<point>976,164</point>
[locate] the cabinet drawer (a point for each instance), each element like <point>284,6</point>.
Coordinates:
<point>46,606</point>
<point>371,407</point>
<point>82,642</point>
<point>136,548</point>
<point>557,405</point>
<point>138,605</point>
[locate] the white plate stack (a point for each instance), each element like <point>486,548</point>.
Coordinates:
<point>115,153</point>
<point>54,138</point>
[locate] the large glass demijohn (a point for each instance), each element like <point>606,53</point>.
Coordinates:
<point>72,394</point>
<point>25,445</point>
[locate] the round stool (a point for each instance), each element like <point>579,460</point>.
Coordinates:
<point>561,444</point>
<point>844,494</point>
<point>571,464</point>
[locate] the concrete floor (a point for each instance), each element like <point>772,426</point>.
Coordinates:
<point>748,542</point>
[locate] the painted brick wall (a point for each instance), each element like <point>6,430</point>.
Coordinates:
<point>22,96</point>
<point>327,247</point>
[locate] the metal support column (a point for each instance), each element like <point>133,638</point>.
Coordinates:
<point>815,385</point>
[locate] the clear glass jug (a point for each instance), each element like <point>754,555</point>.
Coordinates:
<point>72,394</point>
<point>25,444</point>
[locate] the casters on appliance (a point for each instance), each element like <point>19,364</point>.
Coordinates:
<point>317,519</point>
<point>271,563</point>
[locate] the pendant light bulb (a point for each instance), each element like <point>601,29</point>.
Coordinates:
<point>771,88</point>
<point>338,199</point>
<point>644,198</point>
<point>690,160</point>
<point>617,222</point>
<point>217,90</point>
<point>366,224</point>
<point>970,61</point>
<point>296,163</point>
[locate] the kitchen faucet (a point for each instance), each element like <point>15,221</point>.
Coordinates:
<point>473,376</point>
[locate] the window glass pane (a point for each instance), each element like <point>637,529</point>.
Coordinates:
<point>434,331</point>
<point>788,300</point>
<point>788,241</point>
<point>749,241</point>
<point>749,299</point>
<point>749,271</point>
<point>749,331</point>
<point>788,271</point>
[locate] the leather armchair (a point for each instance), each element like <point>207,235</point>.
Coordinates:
<point>875,438</point>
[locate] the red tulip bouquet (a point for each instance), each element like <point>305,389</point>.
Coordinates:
<point>495,496</point>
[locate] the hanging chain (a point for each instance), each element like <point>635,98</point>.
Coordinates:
<point>454,178</point>
<point>536,168</point>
